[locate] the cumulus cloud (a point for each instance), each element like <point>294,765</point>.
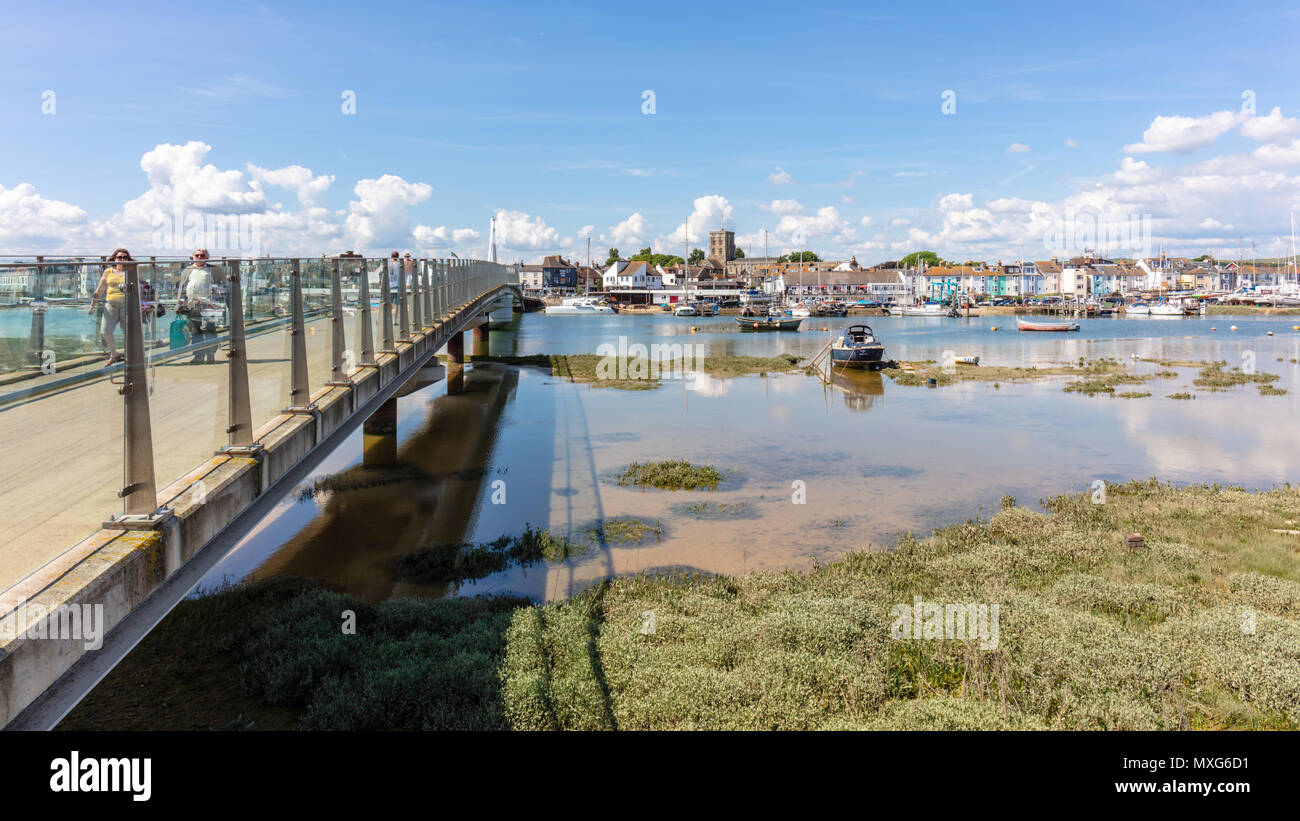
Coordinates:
<point>1017,148</point>
<point>1272,128</point>
<point>629,232</point>
<point>295,178</point>
<point>1184,134</point>
<point>378,218</point>
<point>779,177</point>
<point>709,213</point>
<point>519,231</point>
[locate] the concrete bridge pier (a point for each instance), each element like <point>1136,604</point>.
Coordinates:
<point>481,340</point>
<point>456,349</point>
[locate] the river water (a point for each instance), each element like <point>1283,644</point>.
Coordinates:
<point>813,470</point>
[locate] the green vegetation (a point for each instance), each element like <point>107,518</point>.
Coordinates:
<point>799,256</point>
<point>623,531</point>
<point>464,562</point>
<point>912,260</point>
<point>666,260</point>
<point>593,369</point>
<point>1213,377</point>
<point>1101,376</point>
<point>1223,310</point>
<point>1199,630</point>
<point>671,474</point>
<point>717,510</point>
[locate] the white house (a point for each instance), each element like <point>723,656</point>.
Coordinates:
<point>634,274</point>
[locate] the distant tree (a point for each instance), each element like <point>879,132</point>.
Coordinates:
<point>740,253</point>
<point>697,255</point>
<point>664,260</point>
<point>612,258</point>
<point>1204,258</point>
<point>912,260</point>
<point>799,256</point>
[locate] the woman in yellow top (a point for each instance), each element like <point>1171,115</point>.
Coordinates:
<point>111,290</point>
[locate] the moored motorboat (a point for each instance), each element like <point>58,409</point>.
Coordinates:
<point>858,348</point>
<point>1026,325</point>
<point>1137,309</point>
<point>581,305</point>
<point>685,310</point>
<point>769,323</point>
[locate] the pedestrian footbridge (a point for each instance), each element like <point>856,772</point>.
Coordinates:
<point>123,483</point>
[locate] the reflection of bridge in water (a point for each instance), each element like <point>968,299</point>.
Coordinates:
<point>289,389</point>
<point>397,501</point>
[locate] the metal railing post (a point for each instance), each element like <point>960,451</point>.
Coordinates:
<point>428,297</point>
<point>338,341</point>
<point>139,493</point>
<point>367,335</point>
<point>299,390</point>
<point>240,415</point>
<point>386,301</point>
<point>403,319</point>
<point>417,320</point>
<point>37,335</point>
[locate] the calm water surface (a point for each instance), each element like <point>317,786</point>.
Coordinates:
<point>875,458</point>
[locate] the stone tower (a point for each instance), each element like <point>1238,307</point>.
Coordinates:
<point>722,246</point>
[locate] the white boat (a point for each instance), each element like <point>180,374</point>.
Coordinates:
<point>925,309</point>
<point>581,305</point>
<point>1166,309</point>
<point>685,310</point>
<point>1137,309</point>
<point>801,310</point>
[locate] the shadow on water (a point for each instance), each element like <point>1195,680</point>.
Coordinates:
<point>398,500</point>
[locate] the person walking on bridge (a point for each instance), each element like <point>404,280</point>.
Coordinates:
<point>198,290</point>
<point>111,291</point>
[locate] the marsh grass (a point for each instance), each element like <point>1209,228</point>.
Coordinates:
<point>585,368</point>
<point>717,510</point>
<point>1092,636</point>
<point>671,474</point>
<point>623,531</point>
<point>1214,377</point>
<point>454,563</point>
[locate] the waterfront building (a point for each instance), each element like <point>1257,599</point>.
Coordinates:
<point>632,274</point>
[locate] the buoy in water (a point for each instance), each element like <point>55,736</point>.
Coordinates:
<point>1212,328</point>
<point>1270,333</point>
<point>1233,328</point>
<point>994,328</point>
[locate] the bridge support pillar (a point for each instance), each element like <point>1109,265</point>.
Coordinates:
<point>456,349</point>
<point>379,436</point>
<point>481,340</point>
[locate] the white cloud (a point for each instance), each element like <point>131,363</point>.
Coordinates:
<point>378,218</point>
<point>630,232</point>
<point>1070,143</point>
<point>866,222</point>
<point>294,178</point>
<point>1184,134</point>
<point>1017,148</point>
<point>708,214</point>
<point>1272,128</point>
<point>519,231</point>
<point>779,177</point>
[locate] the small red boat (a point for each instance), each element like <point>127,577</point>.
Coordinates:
<point>1025,325</point>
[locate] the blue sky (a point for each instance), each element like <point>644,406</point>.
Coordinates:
<point>536,111</point>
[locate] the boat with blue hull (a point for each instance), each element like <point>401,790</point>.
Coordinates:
<point>858,348</point>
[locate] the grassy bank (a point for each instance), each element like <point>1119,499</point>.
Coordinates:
<point>1201,629</point>
<point>1249,310</point>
